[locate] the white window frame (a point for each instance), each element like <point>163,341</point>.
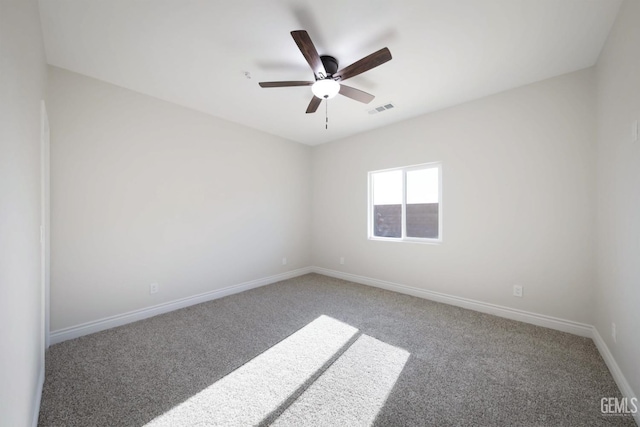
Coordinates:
<point>404,238</point>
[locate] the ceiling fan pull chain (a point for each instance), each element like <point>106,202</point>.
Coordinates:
<point>326,114</point>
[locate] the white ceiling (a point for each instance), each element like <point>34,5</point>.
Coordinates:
<point>195,52</point>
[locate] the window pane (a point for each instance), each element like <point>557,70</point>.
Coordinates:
<point>387,204</point>
<point>387,188</point>
<point>422,186</point>
<point>422,203</point>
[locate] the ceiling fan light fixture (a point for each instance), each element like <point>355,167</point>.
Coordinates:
<point>325,88</point>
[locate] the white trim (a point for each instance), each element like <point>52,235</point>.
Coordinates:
<point>133,316</point>
<point>563,325</point>
<point>616,373</point>
<point>45,223</point>
<point>38,397</point>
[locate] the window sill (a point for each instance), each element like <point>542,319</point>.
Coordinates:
<point>407,240</point>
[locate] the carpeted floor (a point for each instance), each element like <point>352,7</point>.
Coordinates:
<point>321,351</point>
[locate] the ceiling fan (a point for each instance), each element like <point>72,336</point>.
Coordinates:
<point>328,79</point>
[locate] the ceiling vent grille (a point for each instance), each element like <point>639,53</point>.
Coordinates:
<point>382,108</point>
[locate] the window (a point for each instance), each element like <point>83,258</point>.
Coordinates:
<point>405,203</point>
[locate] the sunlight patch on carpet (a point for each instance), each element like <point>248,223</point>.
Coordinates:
<point>250,393</point>
<point>353,390</point>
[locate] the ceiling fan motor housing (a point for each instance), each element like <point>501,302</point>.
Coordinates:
<point>330,64</point>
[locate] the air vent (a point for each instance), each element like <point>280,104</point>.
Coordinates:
<point>382,108</point>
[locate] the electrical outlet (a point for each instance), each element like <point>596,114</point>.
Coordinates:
<point>614,333</point>
<point>517,291</point>
<point>341,260</point>
<point>153,288</point>
<point>284,260</point>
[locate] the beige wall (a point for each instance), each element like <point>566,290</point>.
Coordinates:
<point>22,87</point>
<point>518,174</point>
<point>146,191</point>
<point>618,284</point>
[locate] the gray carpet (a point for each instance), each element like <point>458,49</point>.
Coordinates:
<point>321,351</point>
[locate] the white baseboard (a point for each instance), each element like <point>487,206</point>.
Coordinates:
<point>618,376</point>
<point>563,325</point>
<point>133,316</point>
<point>38,397</point>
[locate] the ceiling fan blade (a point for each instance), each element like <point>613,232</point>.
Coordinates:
<point>313,105</point>
<point>357,94</point>
<point>309,52</point>
<point>284,84</point>
<point>365,64</point>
